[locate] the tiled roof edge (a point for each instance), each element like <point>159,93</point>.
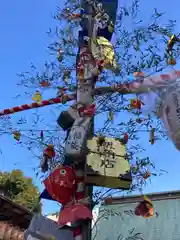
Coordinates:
<point>134,198</point>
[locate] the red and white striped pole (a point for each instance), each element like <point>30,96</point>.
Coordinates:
<point>148,84</point>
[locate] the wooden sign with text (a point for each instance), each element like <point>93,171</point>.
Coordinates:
<point>106,164</point>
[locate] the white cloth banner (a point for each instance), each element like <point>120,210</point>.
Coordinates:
<point>42,228</point>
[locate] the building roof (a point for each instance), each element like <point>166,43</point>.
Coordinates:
<point>136,198</point>
<point>14,213</point>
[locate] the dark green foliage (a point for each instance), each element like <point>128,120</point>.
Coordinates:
<point>19,188</point>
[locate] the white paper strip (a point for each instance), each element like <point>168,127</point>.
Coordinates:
<point>171,115</point>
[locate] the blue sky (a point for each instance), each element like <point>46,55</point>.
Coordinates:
<point>23,40</point>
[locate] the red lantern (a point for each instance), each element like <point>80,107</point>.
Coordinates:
<point>61,184</point>
<point>74,212</point>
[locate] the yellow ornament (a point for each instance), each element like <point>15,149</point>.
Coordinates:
<point>147,199</point>
<point>17,135</point>
<point>111,116</point>
<point>103,49</point>
<point>172,61</point>
<point>37,97</point>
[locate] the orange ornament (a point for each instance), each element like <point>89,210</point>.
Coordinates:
<point>145,208</point>
<point>138,74</point>
<point>147,175</point>
<point>49,151</point>
<point>135,103</point>
<point>44,83</point>
<point>172,61</point>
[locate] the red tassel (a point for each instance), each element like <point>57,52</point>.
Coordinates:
<point>125,138</point>
<point>89,111</point>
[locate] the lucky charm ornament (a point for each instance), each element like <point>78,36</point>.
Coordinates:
<point>145,208</point>
<point>48,154</point>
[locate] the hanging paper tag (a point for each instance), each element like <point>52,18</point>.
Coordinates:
<point>76,141</point>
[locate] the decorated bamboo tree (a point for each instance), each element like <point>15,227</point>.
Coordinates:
<point>132,63</point>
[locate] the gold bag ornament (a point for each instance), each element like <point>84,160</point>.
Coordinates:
<point>102,49</point>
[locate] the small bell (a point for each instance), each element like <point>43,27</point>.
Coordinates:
<point>60,55</point>
<point>152,136</point>
<point>37,97</point>
<point>17,135</point>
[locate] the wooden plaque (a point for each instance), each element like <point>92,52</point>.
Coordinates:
<point>107,166</point>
